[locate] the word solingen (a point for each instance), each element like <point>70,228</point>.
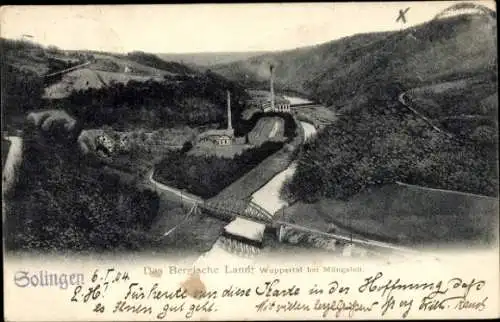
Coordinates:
<point>47,279</point>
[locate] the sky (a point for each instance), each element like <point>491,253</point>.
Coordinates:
<point>209,27</point>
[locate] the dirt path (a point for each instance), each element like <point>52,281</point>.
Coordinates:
<point>14,157</point>
<point>274,130</point>
<point>182,221</point>
<point>406,101</point>
<point>185,196</point>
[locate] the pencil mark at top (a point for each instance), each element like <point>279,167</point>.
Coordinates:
<point>402,14</point>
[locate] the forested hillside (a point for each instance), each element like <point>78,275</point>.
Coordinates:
<point>158,63</point>
<point>64,200</point>
<point>392,91</point>
<point>104,94</point>
<point>61,203</point>
<point>382,142</point>
<point>197,100</point>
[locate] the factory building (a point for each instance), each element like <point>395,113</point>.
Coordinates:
<point>220,137</point>
<point>275,103</point>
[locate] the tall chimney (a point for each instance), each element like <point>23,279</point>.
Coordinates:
<point>229,122</point>
<point>271,68</point>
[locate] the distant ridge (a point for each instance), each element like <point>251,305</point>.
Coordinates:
<point>465,8</point>
<point>337,71</point>
<point>207,59</point>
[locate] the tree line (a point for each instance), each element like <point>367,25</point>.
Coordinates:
<point>153,104</point>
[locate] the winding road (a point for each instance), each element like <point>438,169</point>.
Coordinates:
<point>268,197</point>
<point>404,99</point>
<point>182,221</point>
<point>181,194</point>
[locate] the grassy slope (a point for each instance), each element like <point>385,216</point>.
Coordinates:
<point>111,68</point>
<point>407,215</point>
<point>106,67</point>
<point>90,78</point>
<point>294,67</point>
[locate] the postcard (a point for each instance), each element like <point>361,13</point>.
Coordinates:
<point>278,161</point>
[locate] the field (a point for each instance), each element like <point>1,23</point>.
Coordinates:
<point>84,78</point>
<point>120,63</point>
<point>194,235</point>
<point>267,129</point>
<point>407,215</point>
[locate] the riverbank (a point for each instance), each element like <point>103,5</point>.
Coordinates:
<point>265,171</point>
<point>269,195</point>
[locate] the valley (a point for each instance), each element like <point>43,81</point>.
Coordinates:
<point>369,144</point>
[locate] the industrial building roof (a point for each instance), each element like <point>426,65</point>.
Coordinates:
<point>217,132</point>
<point>246,228</point>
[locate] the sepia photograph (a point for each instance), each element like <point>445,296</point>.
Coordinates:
<point>234,134</point>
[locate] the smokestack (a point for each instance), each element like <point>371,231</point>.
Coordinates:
<point>271,68</point>
<point>229,122</point>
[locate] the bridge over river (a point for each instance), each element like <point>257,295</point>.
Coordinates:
<point>243,236</point>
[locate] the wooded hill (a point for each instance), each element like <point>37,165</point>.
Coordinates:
<point>122,91</point>
<point>448,69</point>
<point>337,72</point>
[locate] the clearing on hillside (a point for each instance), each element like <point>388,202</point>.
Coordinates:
<point>85,78</point>
<point>408,215</point>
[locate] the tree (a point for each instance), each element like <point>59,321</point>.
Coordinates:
<point>186,146</point>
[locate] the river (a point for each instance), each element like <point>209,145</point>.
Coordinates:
<point>268,197</point>
<point>231,251</point>
<point>294,100</point>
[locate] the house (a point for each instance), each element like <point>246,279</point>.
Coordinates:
<point>105,143</point>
